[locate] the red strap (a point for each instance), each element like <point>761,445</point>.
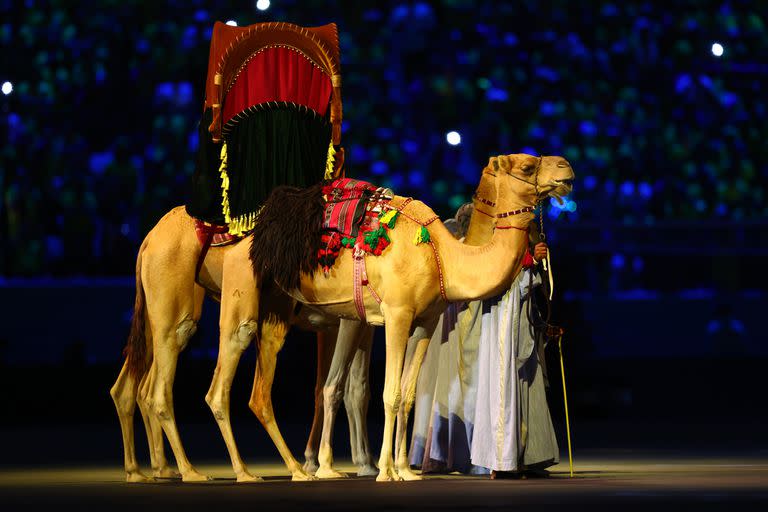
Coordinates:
<point>357,284</point>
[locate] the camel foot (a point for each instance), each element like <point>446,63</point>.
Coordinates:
<point>367,470</point>
<point>408,475</point>
<point>311,466</point>
<point>388,475</point>
<point>194,475</point>
<point>302,476</point>
<point>247,478</point>
<point>328,472</point>
<point>166,472</point>
<point>137,477</point>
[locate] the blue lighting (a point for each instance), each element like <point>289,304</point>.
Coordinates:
<point>416,178</point>
<point>100,161</point>
<point>617,261</point>
<point>379,167</point>
<point>496,94</point>
<point>683,82</point>
<point>510,39</point>
<point>590,182</point>
<point>627,188</point>
<point>588,128</point>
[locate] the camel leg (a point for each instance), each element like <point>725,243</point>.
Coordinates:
<point>159,398</point>
<point>326,342</point>
<point>273,330</point>
<point>408,390</point>
<point>159,463</point>
<point>357,395</point>
<point>346,345</point>
<point>124,393</point>
<point>238,327</point>
<point>398,325</point>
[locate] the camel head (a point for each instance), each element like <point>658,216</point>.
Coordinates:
<point>533,178</point>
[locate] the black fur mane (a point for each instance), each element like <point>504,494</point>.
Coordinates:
<point>286,239</point>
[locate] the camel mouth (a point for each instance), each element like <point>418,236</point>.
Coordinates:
<point>560,189</point>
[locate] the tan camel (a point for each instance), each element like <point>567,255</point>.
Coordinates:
<point>183,331</point>
<point>412,281</point>
<point>177,297</point>
<point>479,231</point>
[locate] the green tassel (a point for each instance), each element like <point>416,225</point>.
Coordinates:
<point>422,236</point>
<point>348,241</point>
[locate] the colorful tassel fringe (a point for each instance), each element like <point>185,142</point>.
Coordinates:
<point>422,236</point>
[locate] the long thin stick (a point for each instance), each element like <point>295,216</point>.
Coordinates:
<point>565,401</point>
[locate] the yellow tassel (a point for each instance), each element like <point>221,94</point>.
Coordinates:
<point>384,219</point>
<point>417,238</point>
<point>329,163</point>
<point>225,186</point>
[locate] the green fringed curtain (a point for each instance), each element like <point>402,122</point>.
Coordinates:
<point>281,144</point>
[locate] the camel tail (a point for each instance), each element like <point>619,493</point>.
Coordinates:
<point>135,350</point>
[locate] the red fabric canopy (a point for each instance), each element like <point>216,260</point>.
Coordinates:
<point>279,74</point>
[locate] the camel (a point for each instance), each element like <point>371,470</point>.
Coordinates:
<point>413,282</point>
<point>479,231</point>
<point>178,297</point>
<point>258,401</point>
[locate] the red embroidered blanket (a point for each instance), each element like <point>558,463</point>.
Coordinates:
<point>346,202</point>
<point>351,219</point>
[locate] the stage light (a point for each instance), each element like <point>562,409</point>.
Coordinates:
<point>717,49</point>
<point>232,23</point>
<point>262,5</point>
<point>453,138</point>
<point>7,88</point>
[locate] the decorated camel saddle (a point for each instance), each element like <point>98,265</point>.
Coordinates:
<point>271,116</point>
<point>316,223</point>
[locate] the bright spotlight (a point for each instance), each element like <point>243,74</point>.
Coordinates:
<point>7,88</point>
<point>232,23</point>
<point>262,5</point>
<point>453,138</point>
<point>717,49</point>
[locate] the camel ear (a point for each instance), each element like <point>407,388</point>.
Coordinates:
<point>507,162</point>
<point>493,164</point>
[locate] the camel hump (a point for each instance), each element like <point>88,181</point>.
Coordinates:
<point>414,210</point>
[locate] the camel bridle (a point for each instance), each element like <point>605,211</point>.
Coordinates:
<point>526,209</point>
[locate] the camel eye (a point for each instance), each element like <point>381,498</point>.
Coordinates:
<point>529,168</point>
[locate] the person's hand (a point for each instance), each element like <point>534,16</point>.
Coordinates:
<point>540,251</point>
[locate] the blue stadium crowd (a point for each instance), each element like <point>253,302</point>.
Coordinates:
<point>656,104</point>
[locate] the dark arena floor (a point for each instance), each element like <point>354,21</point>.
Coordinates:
<point>600,482</point>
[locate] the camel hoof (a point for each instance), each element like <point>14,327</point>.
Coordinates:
<point>367,470</point>
<point>195,476</point>
<point>247,478</point>
<point>407,475</point>
<point>166,472</point>
<point>327,473</point>
<point>388,475</point>
<point>302,476</point>
<point>137,477</point>
<point>311,466</point>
